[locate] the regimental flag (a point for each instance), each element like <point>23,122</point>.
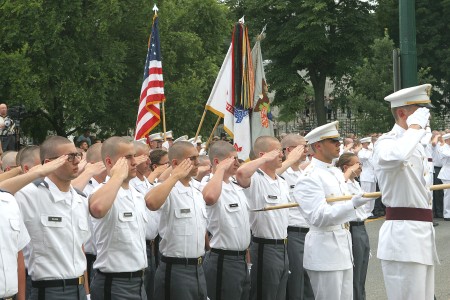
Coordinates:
<point>221,93</point>
<point>242,87</point>
<point>152,90</point>
<point>262,121</point>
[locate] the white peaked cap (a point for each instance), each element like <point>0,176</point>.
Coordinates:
<point>366,140</point>
<point>446,136</point>
<point>416,95</point>
<point>155,137</point>
<point>181,138</point>
<point>169,135</point>
<point>327,131</point>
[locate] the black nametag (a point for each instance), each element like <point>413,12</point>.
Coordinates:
<point>185,210</point>
<point>128,214</point>
<point>232,205</point>
<point>292,186</point>
<point>55,219</point>
<point>272,197</point>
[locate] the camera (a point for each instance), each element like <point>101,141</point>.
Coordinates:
<point>7,122</point>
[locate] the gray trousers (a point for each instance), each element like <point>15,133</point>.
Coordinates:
<point>361,251</point>
<point>149,278</point>
<point>70,292</point>
<point>180,282</point>
<point>233,280</point>
<point>269,273</point>
<point>121,288</point>
<point>299,286</point>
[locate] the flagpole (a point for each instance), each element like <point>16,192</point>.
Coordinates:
<point>200,125</point>
<point>212,133</point>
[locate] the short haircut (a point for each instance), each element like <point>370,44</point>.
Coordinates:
<point>9,159</point>
<point>345,159</point>
<point>220,150</point>
<point>48,147</point>
<point>28,155</point>
<point>18,156</point>
<point>395,109</point>
<point>156,155</point>
<point>141,146</point>
<point>178,149</point>
<point>94,153</point>
<point>110,146</point>
<point>204,159</point>
<point>290,139</point>
<point>262,144</point>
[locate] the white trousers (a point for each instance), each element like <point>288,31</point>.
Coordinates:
<point>369,187</point>
<point>408,280</point>
<point>446,206</point>
<point>336,285</point>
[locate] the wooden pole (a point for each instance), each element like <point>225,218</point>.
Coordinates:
<point>346,197</point>
<point>212,133</point>
<point>164,120</point>
<point>200,125</point>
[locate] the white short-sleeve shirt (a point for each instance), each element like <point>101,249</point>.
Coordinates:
<point>296,218</point>
<point>58,227</point>
<point>14,237</point>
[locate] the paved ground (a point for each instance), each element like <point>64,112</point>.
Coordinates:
<point>375,284</point>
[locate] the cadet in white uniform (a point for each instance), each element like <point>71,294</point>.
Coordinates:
<point>182,228</point>
<point>299,286</point>
<point>402,171</point>
<point>225,265</point>
<point>367,177</point>
<point>268,252</point>
<point>328,247</point>
<point>119,228</point>
<point>57,221</point>
<point>142,185</point>
<point>13,236</point>
<point>351,167</point>
<point>444,173</point>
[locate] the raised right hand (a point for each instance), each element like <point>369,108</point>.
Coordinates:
<point>120,169</point>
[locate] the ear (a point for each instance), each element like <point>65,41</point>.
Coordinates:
<point>401,113</point>
<point>108,162</point>
<point>215,161</point>
<point>174,162</point>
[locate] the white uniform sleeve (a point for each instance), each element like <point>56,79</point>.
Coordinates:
<point>24,237</point>
<point>309,194</point>
<point>393,152</point>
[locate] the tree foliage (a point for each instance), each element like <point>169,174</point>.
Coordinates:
<point>77,63</point>
<point>326,38</point>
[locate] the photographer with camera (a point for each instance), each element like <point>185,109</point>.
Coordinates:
<point>7,129</point>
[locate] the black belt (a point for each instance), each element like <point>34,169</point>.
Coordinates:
<point>57,282</point>
<point>181,260</point>
<point>298,229</point>
<point>269,241</point>
<point>356,223</point>
<point>229,252</point>
<point>149,242</point>
<point>136,274</point>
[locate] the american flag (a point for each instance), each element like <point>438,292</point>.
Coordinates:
<point>152,91</point>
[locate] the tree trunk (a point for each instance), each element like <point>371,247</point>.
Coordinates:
<point>318,82</point>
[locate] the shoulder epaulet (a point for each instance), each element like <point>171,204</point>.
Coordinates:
<point>80,192</point>
<point>281,177</point>
<point>4,191</point>
<point>38,182</point>
<point>260,172</point>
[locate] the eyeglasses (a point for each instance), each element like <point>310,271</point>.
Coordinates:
<point>70,156</point>
<point>162,164</point>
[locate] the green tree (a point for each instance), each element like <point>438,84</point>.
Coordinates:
<point>326,38</point>
<point>78,63</point>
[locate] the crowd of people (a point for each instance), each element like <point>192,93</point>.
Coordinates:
<point>164,218</point>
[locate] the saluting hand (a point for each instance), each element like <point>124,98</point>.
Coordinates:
<point>226,164</point>
<point>141,158</point>
<point>296,154</point>
<point>47,168</point>
<point>419,117</point>
<point>183,169</point>
<point>120,169</point>
<point>95,168</point>
<point>271,156</point>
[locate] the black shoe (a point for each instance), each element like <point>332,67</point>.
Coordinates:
<point>446,219</point>
<point>435,224</point>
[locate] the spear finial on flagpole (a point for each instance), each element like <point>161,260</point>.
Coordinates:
<point>262,35</point>
<point>155,9</point>
<point>241,20</point>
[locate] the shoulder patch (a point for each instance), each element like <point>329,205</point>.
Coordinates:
<point>80,193</point>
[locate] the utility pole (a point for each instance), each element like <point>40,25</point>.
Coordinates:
<point>408,52</point>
